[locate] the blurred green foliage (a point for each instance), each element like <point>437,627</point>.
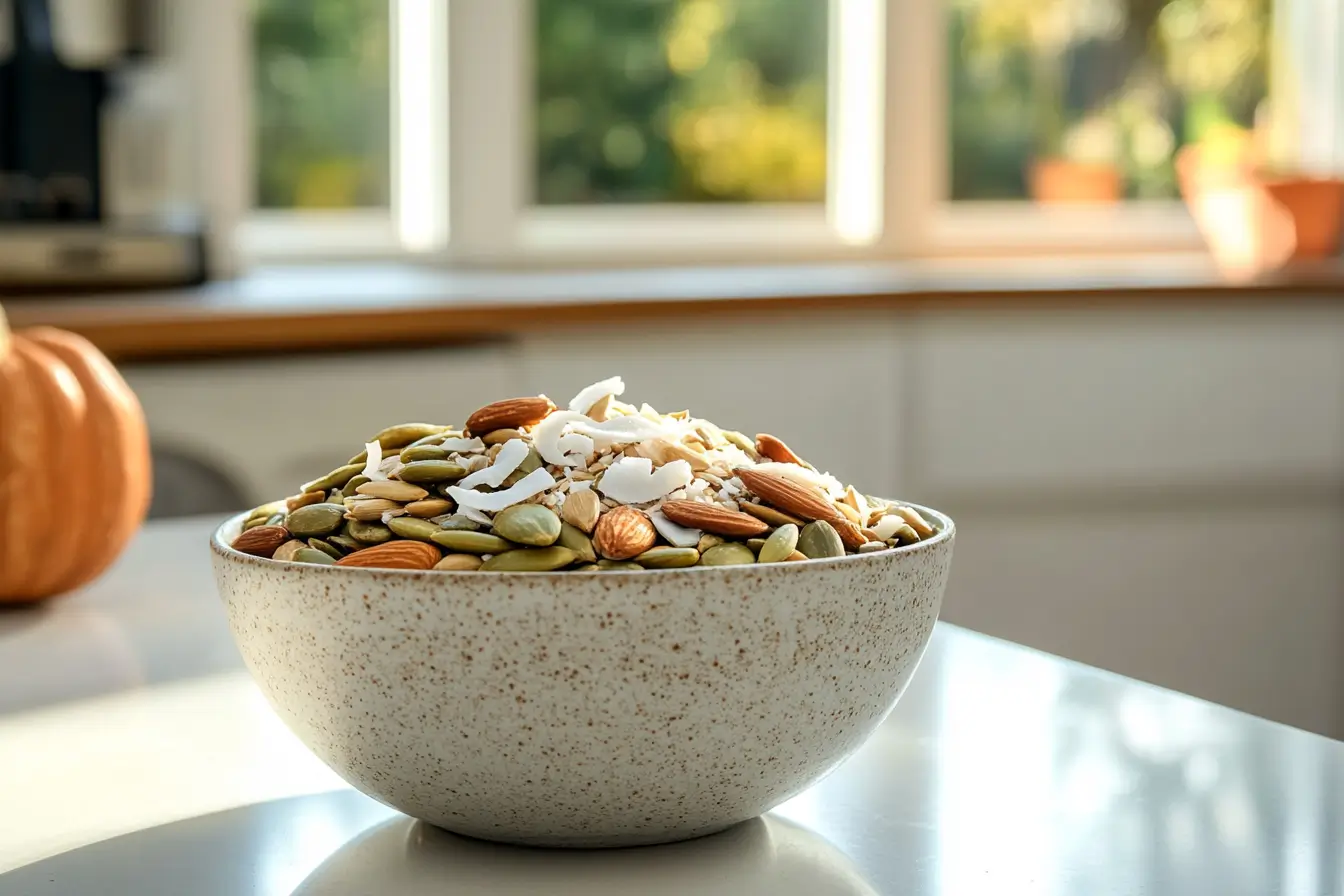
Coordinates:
<point>680,100</point>
<point>322,103</point>
<point>1122,82</point>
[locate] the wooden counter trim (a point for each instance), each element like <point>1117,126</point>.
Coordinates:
<point>370,307</point>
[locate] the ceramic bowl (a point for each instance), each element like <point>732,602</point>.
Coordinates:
<point>570,709</point>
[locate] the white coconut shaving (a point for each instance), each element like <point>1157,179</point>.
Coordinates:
<point>580,485</point>
<point>532,484</point>
<point>374,461</point>
<point>634,480</point>
<point>591,395</point>
<point>464,445</point>
<point>511,455</point>
<point>547,434</point>
<point>577,445</point>
<point>675,533</point>
<point>887,526</point>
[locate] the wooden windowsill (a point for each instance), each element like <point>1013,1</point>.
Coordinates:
<point>356,306</point>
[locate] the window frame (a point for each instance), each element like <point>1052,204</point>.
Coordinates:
<point>462,186</point>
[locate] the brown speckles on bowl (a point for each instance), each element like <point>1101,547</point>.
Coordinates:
<point>585,710</point>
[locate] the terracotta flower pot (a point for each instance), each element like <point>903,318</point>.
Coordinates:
<point>1316,206</point>
<point>1060,180</point>
<point>1252,221</point>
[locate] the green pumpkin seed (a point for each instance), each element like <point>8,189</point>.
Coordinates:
<point>747,446</point>
<point>459,563</point>
<point>361,458</point>
<point>572,537</point>
<point>727,554</point>
<point>769,515</point>
<point>344,542</point>
<point>423,452</point>
<point>707,541</point>
<point>254,523</point>
<point>819,539</point>
<point>500,436</point>
<point>755,544</point>
<point>266,510</point>
<point>668,558</point>
<point>588,567</point>
<point>512,479</point>
<point>529,524</point>
<point>311,555</point>
<point>872,547</point>
<point>352,487</point>
<point>394,438</point>
<point>315,520</point>
<point>779,545</point>
<point>318,544</point>
<point>423,472</point>
<point>337,478</point>
<point>410,527</point>
<point>392,490</point>
<point>368,532</point>
<point>906,534</point>
<point>466,542</point>
<point>610,565</point>
<point>531,463</point>
<point>276,519</point>
<point>530,560</point>
<point>459,523</point>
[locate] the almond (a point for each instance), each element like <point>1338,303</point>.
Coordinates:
<point>394,555</point>
<point>581,510</point>
<point>791,497</point>
<point>776,450</point>
<point>800,501</point>
<point>712,518</point>
<point>261,541</point>
<point>622,533</point>
<point>510,413</point>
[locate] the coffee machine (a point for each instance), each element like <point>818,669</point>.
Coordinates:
<point>95,183</point>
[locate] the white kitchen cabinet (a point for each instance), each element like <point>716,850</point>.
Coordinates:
<point>270,424</point>
<point>1241,606</point>
<point>1053,400</point>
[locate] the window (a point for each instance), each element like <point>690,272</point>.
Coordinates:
<point>321,75</point>
<point>668,101</point>
<point>635,131</point>
<point>1089,99</point>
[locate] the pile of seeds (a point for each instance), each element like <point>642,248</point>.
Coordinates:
<point>525,487</point>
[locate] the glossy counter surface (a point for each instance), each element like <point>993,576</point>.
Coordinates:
<point>1001,771</point>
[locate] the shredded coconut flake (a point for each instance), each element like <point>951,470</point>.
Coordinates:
<point>375,459</point>
<point>511,455</point>
<point>633,480</point>
<point>887,526</point>
<point>460,444</point>
<point>676,534</point>
<point>591,395</point>
<point>532,484</point>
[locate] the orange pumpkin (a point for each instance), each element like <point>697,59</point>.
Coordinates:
<point>74,463</point>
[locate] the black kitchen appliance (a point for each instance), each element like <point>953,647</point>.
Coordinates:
<point>63,124</point>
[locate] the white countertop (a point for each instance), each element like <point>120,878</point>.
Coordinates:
<point>1002,770</point>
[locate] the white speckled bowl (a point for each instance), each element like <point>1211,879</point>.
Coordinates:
<point>569,709</point>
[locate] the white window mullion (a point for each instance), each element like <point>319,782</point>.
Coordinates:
<point>420,192</point>
<point>914,126</point>
<point>489,110</point>
<point>855,112</point>
<point>1307,85</point>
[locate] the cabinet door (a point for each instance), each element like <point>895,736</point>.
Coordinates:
<point>268,425</point>
<point>827,387</point>
<point>1057,400</point>
<point>1239,606</point>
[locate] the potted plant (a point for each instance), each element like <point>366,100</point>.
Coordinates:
<point>1087,168</point>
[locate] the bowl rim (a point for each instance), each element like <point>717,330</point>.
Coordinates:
<point>946,532</point>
